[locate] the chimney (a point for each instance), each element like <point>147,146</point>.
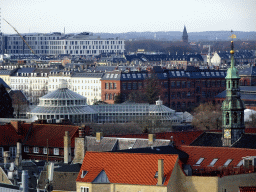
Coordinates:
<point>17,126</point>
<point>81,132</point>
<point>6,157</point>
<point>99,136</point>
<point>80,146</point>
<point>67,148</point>
<point>18,158</point>
<point>160,171</point>
<point>24,181</point>
<point>151,138</point>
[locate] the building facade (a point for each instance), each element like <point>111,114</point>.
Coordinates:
<point>58,43</point>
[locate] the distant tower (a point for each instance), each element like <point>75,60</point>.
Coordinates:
<point>185,35</point>
<point>209,56</point>
<point>233,107</point>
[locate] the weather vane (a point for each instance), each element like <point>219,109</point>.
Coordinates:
<point>233,36</point>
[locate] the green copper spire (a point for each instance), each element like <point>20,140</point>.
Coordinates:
<point>232,71</point>
<point>233,107</point>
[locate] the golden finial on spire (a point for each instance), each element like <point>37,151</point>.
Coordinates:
<point>232,45</point>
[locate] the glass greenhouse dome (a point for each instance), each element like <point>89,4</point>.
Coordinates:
<point>63,104</point>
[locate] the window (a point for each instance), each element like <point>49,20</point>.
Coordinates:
<point>110,85</point>
<point>213,162</point>
<point>129,86</point>
<point>83,173</point>
<point>123,86</point>
<point>106,85</point>
<point>26,149</point>
<point>12,151</point>
<point>114,85</point>
<point>178,84</point>
<point>45,150</point>
<point>35,149</point>
<point>84,189</point>
<point>134,86</point>
<point>199,161</point>
<point>227,118</point>
<point>56,151</point>
<point>227,162</point>
<point>106,96</point>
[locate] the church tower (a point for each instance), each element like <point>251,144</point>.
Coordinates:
<point>185,35</point>
<point>233,107</point>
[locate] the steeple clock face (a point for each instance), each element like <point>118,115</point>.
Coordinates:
<point>227,133</point>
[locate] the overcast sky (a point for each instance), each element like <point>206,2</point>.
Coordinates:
<point>118,16</point>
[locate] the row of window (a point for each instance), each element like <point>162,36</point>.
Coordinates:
<point>110,96</point>
<point>188,84</point>
<point>45,150</point>
<point>110,85</point>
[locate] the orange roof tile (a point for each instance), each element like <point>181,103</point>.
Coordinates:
<point>210,153</point>
<point>126,168</point>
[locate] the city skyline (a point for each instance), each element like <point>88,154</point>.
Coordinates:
<point>45,16</point>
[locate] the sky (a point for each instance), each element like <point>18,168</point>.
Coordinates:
<point>120,16</point>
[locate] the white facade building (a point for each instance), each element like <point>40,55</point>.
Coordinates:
<point>85,84</point>
<point>82,44</point>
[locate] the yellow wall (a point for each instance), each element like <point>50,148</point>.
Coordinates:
<point>6,79</point>
<point>231,183</point>
<point>3,177</point>
<point>120,188</point>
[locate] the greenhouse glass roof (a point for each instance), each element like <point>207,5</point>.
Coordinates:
<point>63,94</point>
<point>63,110</point>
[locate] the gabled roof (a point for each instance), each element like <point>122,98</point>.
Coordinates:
<point>54,133</point>
<point>247,140</point>
<point>212,139</point>
<point>113,144</point>
<point>9,136</point>
<point>179,137</point>
<point>126,168</point>
<point>210,153</point>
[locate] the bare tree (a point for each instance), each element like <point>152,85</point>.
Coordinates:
<point>207,116</point>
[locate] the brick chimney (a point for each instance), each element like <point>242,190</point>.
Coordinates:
<point>17,126</point>
<point>80,146</point>
<point>99,136</point>
<point>67,148</point>
<point>151,138</point>
<point>160,172</point>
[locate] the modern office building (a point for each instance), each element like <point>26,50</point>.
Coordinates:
<point>57,43</point>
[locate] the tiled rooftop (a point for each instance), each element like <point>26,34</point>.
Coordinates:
<point>126,168</point>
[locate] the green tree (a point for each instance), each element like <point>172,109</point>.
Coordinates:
<point>207,117</point>
<point>6,109</point>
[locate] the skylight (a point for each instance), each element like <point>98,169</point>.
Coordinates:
<point>200,161</point>
<point>240,163</point>
<point>83,173</point>
<point>213,162</point>
<point>227,162</point>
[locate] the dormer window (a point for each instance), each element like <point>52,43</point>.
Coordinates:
<point>26,149</point>
<point>83,173</point>
<point>240,163</point>
<point>56,151</point>
<point>199,161</point>
<point>36,149</point>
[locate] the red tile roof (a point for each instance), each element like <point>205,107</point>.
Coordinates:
<point>126,168</point>
<point>8,136</point>
<point>54,133</point>
<point>210,153</point>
